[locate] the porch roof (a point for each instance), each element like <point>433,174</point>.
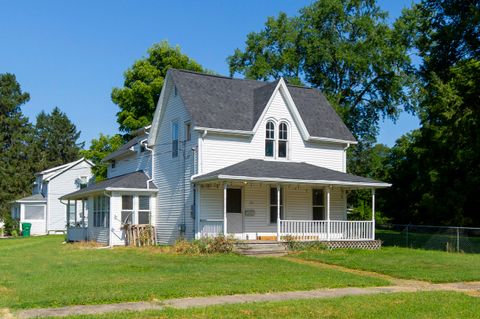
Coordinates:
<point>288,172</point>
<point>136,181</point>
<point>32,198</point>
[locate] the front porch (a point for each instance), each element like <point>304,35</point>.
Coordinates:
<point>278,203</point>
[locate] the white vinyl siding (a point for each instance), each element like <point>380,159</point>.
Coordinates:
<point>219,151</point>
<point>63,184</point>
<point>138,161</point>
<point>172,175</point>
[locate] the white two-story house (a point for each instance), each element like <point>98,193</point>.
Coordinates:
<point>43,209</point>
<point>225,156</point>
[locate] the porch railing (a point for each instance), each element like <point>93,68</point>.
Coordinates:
<point>306,230</point>
<point>211,227</point>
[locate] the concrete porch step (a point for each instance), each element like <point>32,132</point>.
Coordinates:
<point>261,248</point>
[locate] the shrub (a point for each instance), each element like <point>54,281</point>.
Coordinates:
<point>185,247</point>
<point>218,244</point>
<point>295,245</point>
<point>12,226</point>
<point>207,245</point>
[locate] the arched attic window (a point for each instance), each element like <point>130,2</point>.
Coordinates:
<point>270,139</point>
<point>282,140</point>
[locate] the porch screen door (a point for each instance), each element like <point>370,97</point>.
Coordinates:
<point>234,211</point>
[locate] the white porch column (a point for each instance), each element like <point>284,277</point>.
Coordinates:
<point>68,213</point>
<point>225,209</point>
<point>278,212</point>
<point>373,213</point>
<point>197,211</point>
<point>328,213</point>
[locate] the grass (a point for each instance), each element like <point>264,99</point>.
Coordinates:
<point>402,305</point>
<point>434,266</point>
<point>43,272</point>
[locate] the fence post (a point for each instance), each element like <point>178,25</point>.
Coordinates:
<point>458,240</point>
<point>406,239</point>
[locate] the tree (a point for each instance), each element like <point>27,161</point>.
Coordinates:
<point>344,48</point>
<point>16,133</point>
<point>56,139</point>
<point>435,169</point>
<point>143,83</point>
<point>99,148</point>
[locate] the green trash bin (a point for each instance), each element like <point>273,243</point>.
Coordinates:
<point>26,229</point>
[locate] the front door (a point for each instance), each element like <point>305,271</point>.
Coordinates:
<point>234,211</point>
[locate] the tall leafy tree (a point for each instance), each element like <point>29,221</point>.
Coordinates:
<point>16,133</point>
<point>56,139</point>
<point>143,82</point>
<point>99,148</point>
<point>346,49</point>
<point>435,169</point>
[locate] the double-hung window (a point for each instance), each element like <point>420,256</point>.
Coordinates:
<point>174,139</point>
<point>270,139</point>
<point>144,209</point>
<point>318,204</point>
<point>274,204</point>
<point>127,209</point>
<point>282,140</point>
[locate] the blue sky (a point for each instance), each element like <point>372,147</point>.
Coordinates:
<point>71,54</point>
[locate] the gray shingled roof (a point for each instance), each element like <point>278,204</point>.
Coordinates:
<point>125,148</point>
<point>135,180</point>
<point>236,104</point>
<point>276,171</point>
<point>32,198</point>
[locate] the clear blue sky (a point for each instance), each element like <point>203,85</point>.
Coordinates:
<point>71,54</point>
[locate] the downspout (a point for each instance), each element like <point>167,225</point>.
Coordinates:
<point>345,158</point>
<point>153,160</point>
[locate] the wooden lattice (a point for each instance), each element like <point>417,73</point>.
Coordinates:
<point>364,244</point>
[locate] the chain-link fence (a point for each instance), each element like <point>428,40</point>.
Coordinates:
<point>451,239</point>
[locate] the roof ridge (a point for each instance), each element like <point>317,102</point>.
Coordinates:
<point>221,76</point>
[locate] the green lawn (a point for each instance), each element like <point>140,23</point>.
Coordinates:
<point>405,305</point>
<point>43,272</point>
<point>435,266</point>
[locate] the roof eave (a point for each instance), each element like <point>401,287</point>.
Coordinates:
<point>331,140</point>
<point>289,181</point>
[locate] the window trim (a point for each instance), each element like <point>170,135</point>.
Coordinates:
<point>282,204</point>
<point>270,139</point>
<point>131,211</point>
<point>175,138</point>
<point>188,131</point>
<point>323,206</point>
<point>144,210</point>
<point>101,211</point>
<point>280,139</point>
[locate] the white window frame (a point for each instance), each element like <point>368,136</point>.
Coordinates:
<point>269,138</point>
<point>131,211</point>
<point>280,139</point>
<point>149,210</point>
<point>101,211</point>
<point>270,205</point>
<point>322,206</point>
<point>188,131</point>
<point>175,138</point>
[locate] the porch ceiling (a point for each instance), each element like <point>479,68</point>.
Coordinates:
<point>287,172</point>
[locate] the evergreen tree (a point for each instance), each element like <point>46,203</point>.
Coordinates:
<point>16,157</point>
<point>56,139</point>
